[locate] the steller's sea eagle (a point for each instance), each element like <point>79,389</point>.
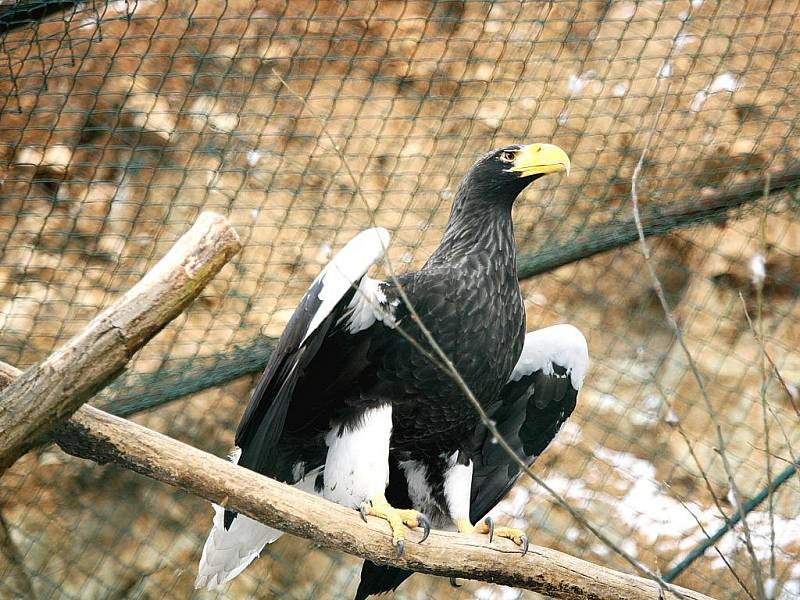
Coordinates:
<point>349,408</point>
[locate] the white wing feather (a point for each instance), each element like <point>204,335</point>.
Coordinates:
<point>345,269</point>
<point>560,345</point>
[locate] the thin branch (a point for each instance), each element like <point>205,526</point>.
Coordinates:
<point>749,506</point>
<point>716,549</point>
<point>673,324</point>
<point>758,283</point>
<point>692,453</point>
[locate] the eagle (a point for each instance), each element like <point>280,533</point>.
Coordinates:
<point>354,403</point>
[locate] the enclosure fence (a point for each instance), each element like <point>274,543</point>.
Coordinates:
<point>305,122</point>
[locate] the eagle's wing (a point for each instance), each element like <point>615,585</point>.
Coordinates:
<point>321,337</point>
<point>539,396</point>
<point>327,337</point>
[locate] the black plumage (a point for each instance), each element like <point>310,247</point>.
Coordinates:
<point>342,362</point>
<point>528,415</point>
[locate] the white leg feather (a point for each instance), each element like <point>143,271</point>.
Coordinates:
<point>357,464</point>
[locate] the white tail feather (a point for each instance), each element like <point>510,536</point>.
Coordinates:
<point>227,553</point>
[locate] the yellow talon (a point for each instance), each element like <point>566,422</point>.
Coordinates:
<point>487,527</point>
<point>398,519</point>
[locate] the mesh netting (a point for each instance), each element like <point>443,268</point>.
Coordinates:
<point>122,121</point>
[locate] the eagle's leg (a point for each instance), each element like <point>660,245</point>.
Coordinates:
<point>398,519</point>
<point>487,527</point>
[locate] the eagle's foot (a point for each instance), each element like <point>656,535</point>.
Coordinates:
<point>487,527</point>
<point>398,519</point>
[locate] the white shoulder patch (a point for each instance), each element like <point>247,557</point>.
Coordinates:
<point>348,266</point>
<point>367,306</point>
<point>562,345</point>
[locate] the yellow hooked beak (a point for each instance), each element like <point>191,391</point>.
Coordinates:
<point>539,159</point>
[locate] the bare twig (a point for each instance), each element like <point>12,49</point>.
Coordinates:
<point>716,549</point>
<point>758,283</point>
<point>673,324</point>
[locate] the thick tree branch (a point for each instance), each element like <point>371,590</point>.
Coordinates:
<point>52,390</point>
<point>104,438</point>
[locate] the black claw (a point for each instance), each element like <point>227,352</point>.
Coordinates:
<point>454,583</point>
<point>363,510</point>
<point>425,523</point>
<point>490,523</point>
<point>524,544</point>
<point>400,547</point>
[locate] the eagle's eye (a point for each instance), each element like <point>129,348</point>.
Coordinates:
<point>508,156</point>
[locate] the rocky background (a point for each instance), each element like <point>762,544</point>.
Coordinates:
<point>121,121</point>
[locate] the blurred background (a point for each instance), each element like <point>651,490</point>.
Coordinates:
<point>122,121</point>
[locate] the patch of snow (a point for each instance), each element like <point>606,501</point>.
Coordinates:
<point>538,298</point>
<point>791,590</point>
<point>787,533</point>
<point>698,100</point>
<point>770,586</point>
<point>723,83</point>
<point>671,418</point>
<point>649,413</point>
<point>253,158</point>
<point>325,252</point>
<point>570,433</point>
<point>514,504</point>
<point>619,89</point>
<point>575,85</point>
<point>629,546</point>
<point>758,269</point>
<point>608,403</point>
<point>683,40</point>
<point>793,391</point>
<point>484,593</point>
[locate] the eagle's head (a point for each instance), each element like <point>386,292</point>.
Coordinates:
<point>503,173</point>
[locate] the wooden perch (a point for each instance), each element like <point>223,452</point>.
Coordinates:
<point>50,391</point>
<point>104,438</point>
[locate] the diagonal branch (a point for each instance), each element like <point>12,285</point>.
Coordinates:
<point>52,390</point>
<point>104,438</point>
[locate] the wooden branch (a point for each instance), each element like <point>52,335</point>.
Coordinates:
<point>709,208</point>
<point>104,438</point>
<point>50,391</point>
